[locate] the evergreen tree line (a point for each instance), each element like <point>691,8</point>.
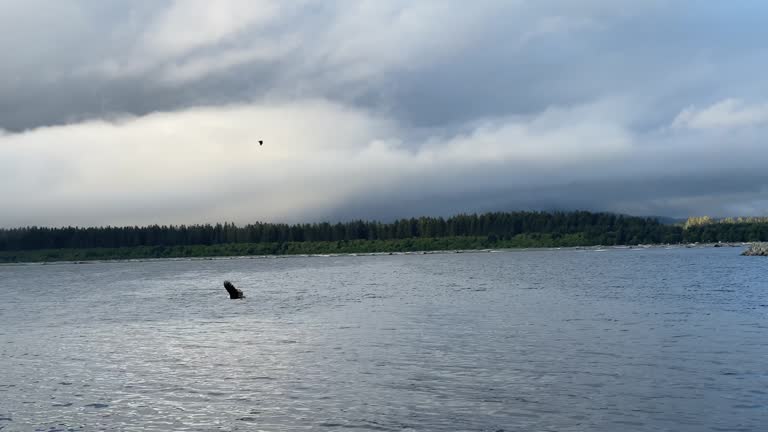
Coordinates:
<point>727,232</point>
<point>593,228</point>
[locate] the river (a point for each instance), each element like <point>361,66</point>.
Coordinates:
<point>566,340</point>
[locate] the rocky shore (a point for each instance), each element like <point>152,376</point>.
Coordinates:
<point>756,249</point>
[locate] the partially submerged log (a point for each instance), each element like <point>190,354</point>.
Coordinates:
<point>234,293</point>
<point>756,249</point>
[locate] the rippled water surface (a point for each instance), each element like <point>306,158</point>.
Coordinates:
<point>621,340</point>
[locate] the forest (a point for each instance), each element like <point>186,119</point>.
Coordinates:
<point>597,228</point>
<point>465,231</point>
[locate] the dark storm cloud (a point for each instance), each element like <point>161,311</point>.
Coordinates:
<point>481,68</point>
<point>429,107</point>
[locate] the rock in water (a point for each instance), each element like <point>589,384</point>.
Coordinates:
<point>756,249</point>
<point>234,293</point>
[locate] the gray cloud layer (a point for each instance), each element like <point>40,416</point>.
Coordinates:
<point>123,112</point>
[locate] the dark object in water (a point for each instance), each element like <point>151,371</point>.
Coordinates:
<point>234,293</point>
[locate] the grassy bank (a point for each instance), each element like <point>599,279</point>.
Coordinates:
<point>295,248</point>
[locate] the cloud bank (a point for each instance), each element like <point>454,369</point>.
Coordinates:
<point>150,112</point>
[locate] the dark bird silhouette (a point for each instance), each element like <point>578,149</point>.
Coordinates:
<point>234,293</point>
<point>261,142</point>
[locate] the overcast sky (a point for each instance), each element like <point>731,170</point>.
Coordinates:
<point>138,112</point>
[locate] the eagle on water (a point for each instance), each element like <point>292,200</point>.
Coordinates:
<point>234,293</point>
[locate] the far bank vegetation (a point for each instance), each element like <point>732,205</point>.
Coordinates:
<point>465,231</point>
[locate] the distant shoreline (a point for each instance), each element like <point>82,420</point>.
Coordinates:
<point>594,248</point>
<point>463,232</point>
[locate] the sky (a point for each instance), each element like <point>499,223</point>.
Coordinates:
<point>134,112</point>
